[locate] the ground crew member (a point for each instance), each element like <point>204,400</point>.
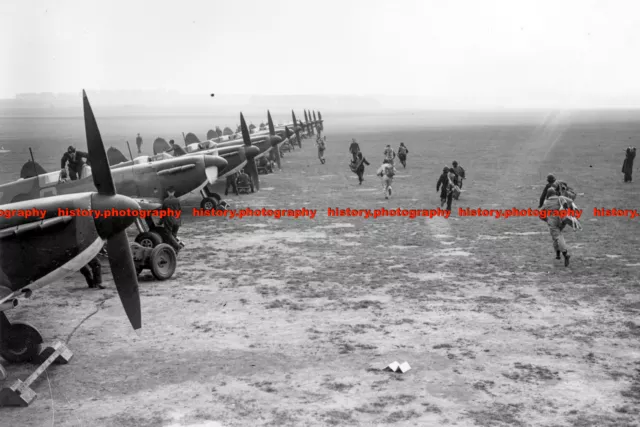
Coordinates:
<point>92,273</point>
<point>231,182</point>
<point>74,159</point>
<point>171,223</point>
<point>245,180</point>
<point>139,143</point>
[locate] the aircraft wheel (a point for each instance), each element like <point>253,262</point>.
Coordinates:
<point>208,203</point>
<point>163,262</point>
<point>21,343</point>
<point>149,239</point>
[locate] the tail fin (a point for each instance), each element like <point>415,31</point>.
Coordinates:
<point>211,134</point>
<point>115,156</point>
<point>31,169</point>
<point>191,138</point>
<point>160,145</point>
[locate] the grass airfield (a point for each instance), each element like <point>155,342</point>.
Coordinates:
<point>290,322</point>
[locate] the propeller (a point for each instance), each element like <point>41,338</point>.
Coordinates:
<point>296,128</point>
<point>320,118</point>
<point>315,122</point>
<point>251,162</point>
<point>275,150</point>
<point>112,228</point>
<point>306,120</point>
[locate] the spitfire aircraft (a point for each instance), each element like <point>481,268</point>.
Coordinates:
<point>39,250</point>
<point>143,179</point>
<point>238,157</point>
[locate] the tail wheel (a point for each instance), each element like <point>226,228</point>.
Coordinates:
<point>21,343</point>
<point>163,262</point>
<point>149,239</point>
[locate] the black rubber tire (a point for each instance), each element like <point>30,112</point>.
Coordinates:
<point>148,239</point>
<point>22,344</point>
<point>163,262</point>
<point>209,203</point>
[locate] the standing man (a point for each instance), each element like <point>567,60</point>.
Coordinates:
<point>556,225</point>
<point>231,182</point>
<point>74,160</point>
<point>171,223</point>
<point>92,273</point>
<point>354,148</point>
<point>139,143</point>
<point>627,165</point>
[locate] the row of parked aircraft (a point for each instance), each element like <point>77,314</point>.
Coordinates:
<point>35,252</point>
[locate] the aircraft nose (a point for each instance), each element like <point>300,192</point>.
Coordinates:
<point>251,152</point>
<point>275,140</point>
<point>211,161</point>
<point>113,216</point>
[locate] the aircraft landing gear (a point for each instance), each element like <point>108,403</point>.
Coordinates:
<point>212,201</point>
<point>19,342</point>
<point>208,203</point>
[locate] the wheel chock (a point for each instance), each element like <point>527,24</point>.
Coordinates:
<point>20,393</point>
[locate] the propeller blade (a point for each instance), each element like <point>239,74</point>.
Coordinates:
<point>212,174</point>
<point>252,171</point>
<point>97,156</point>
<point>272,129</point>
<point>245,131</point>
<point>125,277</point>
<point>296,128</point>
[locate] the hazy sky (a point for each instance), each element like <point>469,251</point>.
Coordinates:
<point>472,52</point>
